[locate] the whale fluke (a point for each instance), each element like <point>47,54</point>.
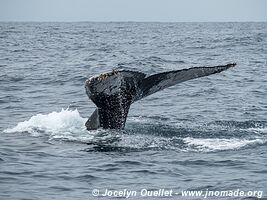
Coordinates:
<point>115,91</point>
<point>164,80</point>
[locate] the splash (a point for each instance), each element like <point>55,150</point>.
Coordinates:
<point>64,121</point>
<point>66,125</point>
<point>143,134</point>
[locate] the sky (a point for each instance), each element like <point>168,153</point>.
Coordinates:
<point>134,10</point>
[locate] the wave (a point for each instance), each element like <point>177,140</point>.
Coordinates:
<point>143,134</point>
<point>211,144</point>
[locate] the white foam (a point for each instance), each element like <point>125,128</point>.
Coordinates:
<point>66,125</point>
<point>138,119</point>
<point>215,144</point>
<point>66,120</point>
<point>258,130</point>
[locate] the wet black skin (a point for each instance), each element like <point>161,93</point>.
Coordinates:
<point>112,108</point>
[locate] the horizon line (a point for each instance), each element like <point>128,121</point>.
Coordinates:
<point>125,21</point>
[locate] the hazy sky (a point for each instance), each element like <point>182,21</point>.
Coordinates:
<point>133,10</point>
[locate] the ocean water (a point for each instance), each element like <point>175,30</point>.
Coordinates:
<point>204,134</point>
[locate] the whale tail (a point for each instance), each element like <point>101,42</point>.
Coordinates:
<point>114,92</point>
<point>157,82</point>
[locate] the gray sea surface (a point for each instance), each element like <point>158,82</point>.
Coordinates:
<point>207,134</point>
